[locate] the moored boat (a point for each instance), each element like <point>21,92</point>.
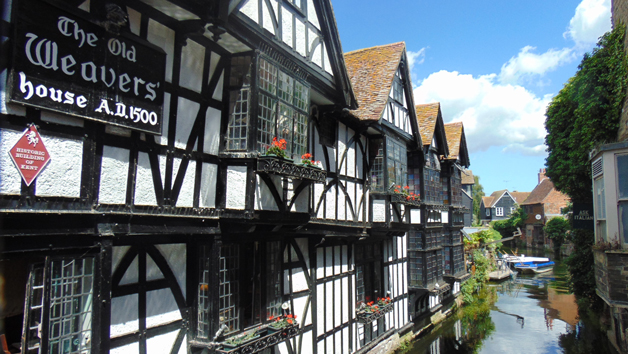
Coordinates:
<point>535,267</point>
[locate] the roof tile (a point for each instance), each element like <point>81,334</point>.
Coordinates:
<point>453,131</point>
<point>372,71</point>
<point>426,115</point>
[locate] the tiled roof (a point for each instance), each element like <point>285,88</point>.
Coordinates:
<point>453,131</point>
<point>520,197</point>
<point>467,177</point>
<point>539,192</point>
<point>488,201</point>
<point>426,115</point>
<point>495,197</point>
<point>372,71</point>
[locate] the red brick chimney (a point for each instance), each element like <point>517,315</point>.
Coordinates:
<point>542,175</point>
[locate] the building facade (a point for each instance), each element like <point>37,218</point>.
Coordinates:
<point>175,176</point>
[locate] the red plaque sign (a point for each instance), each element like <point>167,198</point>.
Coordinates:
<point>30,155</point>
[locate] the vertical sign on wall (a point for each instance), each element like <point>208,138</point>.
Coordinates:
<point>29,155</point>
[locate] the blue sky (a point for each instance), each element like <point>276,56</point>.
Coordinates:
<point>494,65</point>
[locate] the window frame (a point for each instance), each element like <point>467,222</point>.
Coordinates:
<point>622,201</point>
<point>46,267</point>
<point>499,211</point>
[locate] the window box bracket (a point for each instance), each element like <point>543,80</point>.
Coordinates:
<point>284,167</point>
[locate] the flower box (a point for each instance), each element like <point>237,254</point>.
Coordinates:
<point>266,338</point>
<point>369,315</point>
<point>284,167</point>
<point>401,198</point>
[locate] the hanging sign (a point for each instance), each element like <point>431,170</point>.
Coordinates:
<point>65,63</point>
<point>29,155</point>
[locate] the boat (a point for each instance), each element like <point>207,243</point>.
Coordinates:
<point>535,267</point>
<point>511,260</point>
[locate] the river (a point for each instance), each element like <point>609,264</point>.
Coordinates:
<point>529,315</point>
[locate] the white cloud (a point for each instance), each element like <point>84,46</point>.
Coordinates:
<point>494,114</point>
<point>415,58</point>
<point>527,65</point>
<point>592,19</point>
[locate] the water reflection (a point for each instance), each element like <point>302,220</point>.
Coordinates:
<point>531,314</point>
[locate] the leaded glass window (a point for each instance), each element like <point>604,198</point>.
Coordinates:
<point>229,286</point>
<point>239,103</point>
<point>377,171</point>
<point>273,269</point>
<point>204,299</point>
<point>397,163</point>
<point>70,303</point>
<point>283,110</point>
<point>416,268</point>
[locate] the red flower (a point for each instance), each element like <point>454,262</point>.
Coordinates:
<point>289,321</point>
<point>289,316</point>
<point>406,187</point>
<point>396,190</point>
<point>306,156</point>
<point>271,318</point>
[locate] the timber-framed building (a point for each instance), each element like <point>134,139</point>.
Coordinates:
<point>140,209</point>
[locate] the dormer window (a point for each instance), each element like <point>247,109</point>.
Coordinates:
<point>398,90</point>
<point>282,109</point>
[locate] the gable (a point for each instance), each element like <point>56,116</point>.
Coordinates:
<point>431,126</point>
<point>308,29</point>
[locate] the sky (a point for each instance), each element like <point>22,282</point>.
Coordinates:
<point>494,65</point>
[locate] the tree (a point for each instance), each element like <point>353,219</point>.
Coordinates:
<point>507,227</point>
<point>586,112</point>
<point>556,230</point>
<point>478,193</point>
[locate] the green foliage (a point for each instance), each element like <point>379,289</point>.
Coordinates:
<point>510,225</point>
<point>479,278</point>
<point>475,318</point>
<point>483,237</point>
<point>586,112</point>
<point>478,193</point>
<point>556,230</point>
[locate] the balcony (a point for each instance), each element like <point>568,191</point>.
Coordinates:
<point>611,277</point>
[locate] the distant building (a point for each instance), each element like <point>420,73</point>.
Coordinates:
<point>542,204</point>
<point>498,206</point>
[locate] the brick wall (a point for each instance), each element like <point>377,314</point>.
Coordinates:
<point>554,201</point>
<point>620,14</point>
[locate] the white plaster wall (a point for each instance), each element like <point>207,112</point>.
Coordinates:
<point>330,210</point>
<point>379,211</point>
<point>176,255</point>
<point>415,216</point>
<point>134,20</point>
<point>163,138</point>
<point>342,207</point>
<point>251,10</point>
<point>161,308</point>
<point>304,316</point>
<point>217,95</point>
<point>162,344</point>
<point>301,41</point>
<point>331,152</point>
<point>124,315</point>
<point>263,198</point>
<point>192,60</point>
<point>186,195</point>
<point>320,309</point>
<point>186,115</point>
<point>144,186</point>
<point>286,19</point>
<point>359,202</point>
<point>342,147</point>
<point>302,201</point>
<point>267,22</point>
<point>162,37</point>
<point>152,270</point>
<point>444,216</point>
<point>113,175</point>
<point>212,131</point>
<point>351,193</point>
<point>10,180</point>
<point>326,63</point>
<point>351,158</point>
<point>307,343</point>
<point>236,187</point>
<point>209,175</point>
<point>317,56</point>
<point>312,16</point>
<point>131,274</point>
<point>62,175</point>
<point>318,196</point>
<point>126,349</point>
